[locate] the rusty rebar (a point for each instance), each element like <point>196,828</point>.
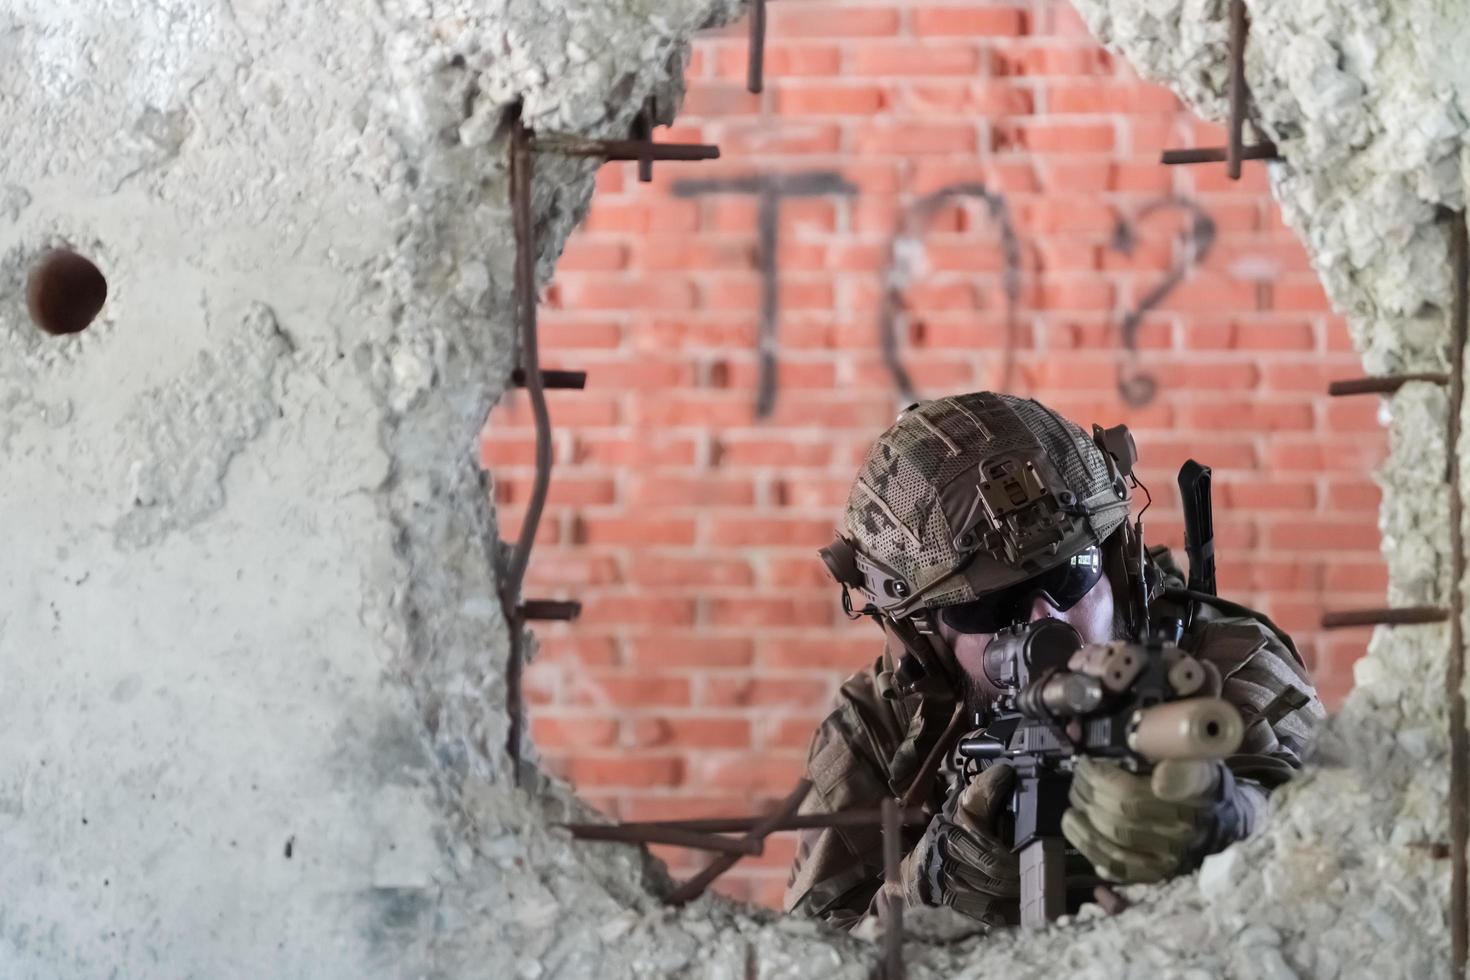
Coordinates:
<point>892,905</point>
<point>1400,616</point>
<point>1239,24</point>
<point>1383,384</point>
<point>630,149</point>
<point>911,816</point>
<point>643,137</point>
<point>552,379</point>
<point>1264,150</point>
<point>1455,668</point>
<point>625,834</point>
<point>756,59</point>
<point>522,175</point>
<point>695,886</point>
<point>549,609</point>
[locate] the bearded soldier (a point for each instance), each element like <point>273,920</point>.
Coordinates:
<point>937,554</point>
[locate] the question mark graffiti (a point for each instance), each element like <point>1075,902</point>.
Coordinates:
<point>905,253</point>
<point>1137,387</point>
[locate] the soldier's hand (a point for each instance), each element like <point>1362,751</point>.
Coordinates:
<point>1136,828</point>
<point>961,860</point>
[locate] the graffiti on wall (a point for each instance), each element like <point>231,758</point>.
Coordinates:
<point>906,247</point>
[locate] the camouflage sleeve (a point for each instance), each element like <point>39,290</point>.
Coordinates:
<point>1270,686</point>
<point>837,871</point>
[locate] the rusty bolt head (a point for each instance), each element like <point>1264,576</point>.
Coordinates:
<point>65,293</point>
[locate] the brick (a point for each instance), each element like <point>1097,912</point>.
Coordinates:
<point>562,569</point>
<point>562,490</point>
<point>703,733</point>
<point>843,655</point>
<point>1046,135</point>
<point>1053,60</point>
<point>958,98</point>
<point>588,651</point>
<point>829,100</point>
<point>621,690</point>
<point>1249,415</point>
<point>792,137</point>
<point>828,20</point>
<point>1266,495</point>
<point>586,255</point>
<point>1311,376</point>
<point>909,58</point>
<point>634,531</point>
<point>670,649</point>
<point>741,451</point>
<point>1350,494</point>
<point>969,21</point>
<point>1306,534</point>
<point>1094,98</point>
<point>717,100</point>
<point>636,609</point>
<point>1353,415</point>
<point>721,410</point>
<point>605,293</point>
<point>620,451</point>
<point>1320,454</point>
<point>619,769</point>
<point>703,491</point>
<point>909,139</point>
<point>509,520</point>
<point>710,571</point>
<point>770,773</point>
<point>781,60</point>
<point>775,613</point>
<point>572,731</point>
<point>633,374</point>
<point>759,531</point>
<point>1365,577</point>
<point>686,807</point>
<point>668,253</point>
<point>558,334</point>
<point>1234,335</point>
<point>608,215</point>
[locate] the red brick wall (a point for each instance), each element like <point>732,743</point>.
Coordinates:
<point>711,639</point>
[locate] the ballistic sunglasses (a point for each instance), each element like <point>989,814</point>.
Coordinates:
<point>1063,587</point>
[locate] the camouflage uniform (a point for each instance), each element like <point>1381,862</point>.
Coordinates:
<point>887,722</point>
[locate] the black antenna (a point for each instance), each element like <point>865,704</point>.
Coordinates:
<point>1199,525</point>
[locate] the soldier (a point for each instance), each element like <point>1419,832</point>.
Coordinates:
<point>941,576</point>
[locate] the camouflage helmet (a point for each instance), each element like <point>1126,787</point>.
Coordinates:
<point>969,494</point>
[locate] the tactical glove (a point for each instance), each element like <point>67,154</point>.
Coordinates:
<point>961,860</point>
<point>1138,828</point>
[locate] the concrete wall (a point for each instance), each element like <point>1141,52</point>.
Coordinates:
<point>250,655</point>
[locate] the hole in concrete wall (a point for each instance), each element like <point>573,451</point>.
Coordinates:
<point>65,292</point>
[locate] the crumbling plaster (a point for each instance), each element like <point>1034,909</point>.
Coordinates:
<point>249,643</point>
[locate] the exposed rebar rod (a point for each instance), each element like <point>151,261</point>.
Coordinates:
<point>1455,671</point>
<point>736,825</point>
<point>521,177</point>
<point>756,66</point>
<point>695,886</point>
<point>677,836</point>
<point>1400,616</point>
<point>1239,24</point>
<point>1265,150</point>
<point>1384,384</point>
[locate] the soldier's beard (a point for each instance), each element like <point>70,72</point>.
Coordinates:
<point>978,699</point>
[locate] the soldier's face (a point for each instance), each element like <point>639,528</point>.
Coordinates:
<point>1095,618</point>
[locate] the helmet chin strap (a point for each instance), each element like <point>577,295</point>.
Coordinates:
<point>928,659</point>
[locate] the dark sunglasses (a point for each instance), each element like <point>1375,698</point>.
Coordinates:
<point>1063,587</point>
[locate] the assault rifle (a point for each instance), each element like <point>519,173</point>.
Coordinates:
<point>1142,701</point>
